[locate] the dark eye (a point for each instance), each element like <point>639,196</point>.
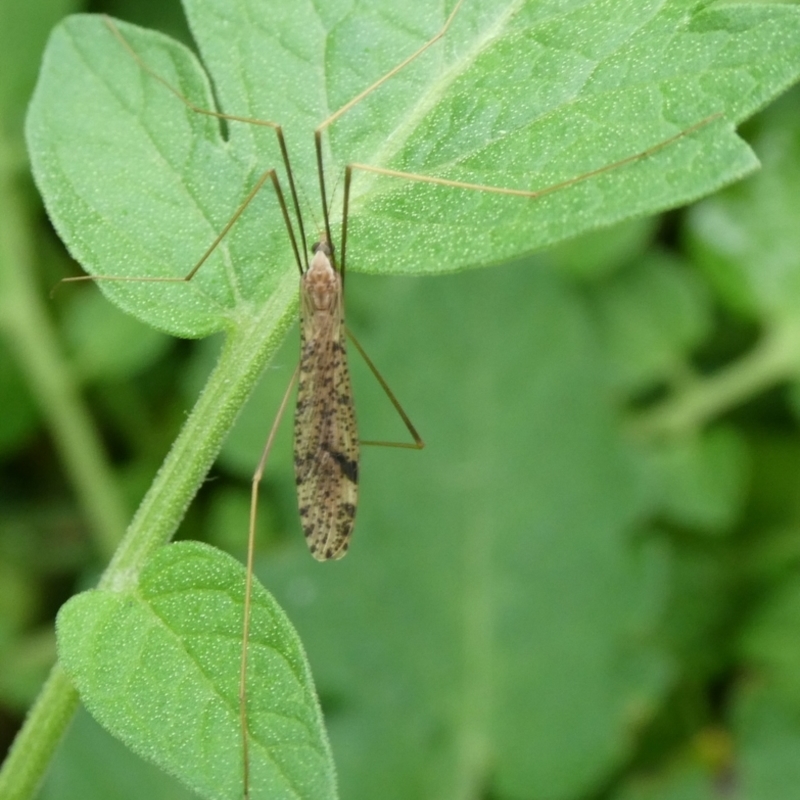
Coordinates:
<point>322,245</point>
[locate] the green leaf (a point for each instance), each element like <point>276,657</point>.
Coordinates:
<point>651,316</point>
<point>494,624</point>
<point>159,667</point>
<point>747,239</point>
<point>515,95</point>
<point>600,253</point>
<point>701,479</point>
<point>125,347</point>
<point>91,764</point>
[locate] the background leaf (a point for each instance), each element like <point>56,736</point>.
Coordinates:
<point>747,240</point>
<point>495,646</point>
<point>91,762</point>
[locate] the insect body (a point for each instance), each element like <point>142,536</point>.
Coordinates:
<point>325,437</point>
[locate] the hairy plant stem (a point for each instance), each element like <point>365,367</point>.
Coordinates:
<point>248,348</point>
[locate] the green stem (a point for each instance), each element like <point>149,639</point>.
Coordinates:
<point>247,350</point>
<point>36,742</point>
<point>776,358</point>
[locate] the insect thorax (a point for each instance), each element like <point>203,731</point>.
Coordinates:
<point>321,283</point>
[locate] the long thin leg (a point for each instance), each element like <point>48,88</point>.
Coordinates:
<point>358,98</point>
<point>270,173</point>
<point>279,130</point>
<point>417,444</point>
<point>348,179</point>
<point>228,117</point>
<point>411,176</point>
<point>248,586</point>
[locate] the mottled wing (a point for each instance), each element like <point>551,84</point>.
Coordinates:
<point>325,436</point>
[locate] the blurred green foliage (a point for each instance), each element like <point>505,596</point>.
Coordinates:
<point>588,584</point>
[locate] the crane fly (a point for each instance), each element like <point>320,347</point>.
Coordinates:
<point>325,437</point>
<point>326,450</point>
